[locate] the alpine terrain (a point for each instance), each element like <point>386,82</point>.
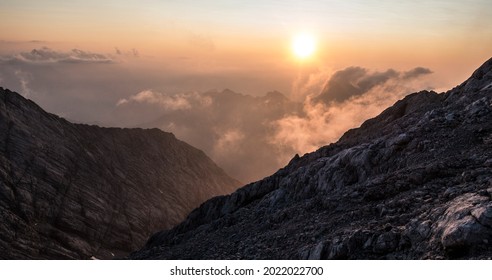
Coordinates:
<point>414,182</point>
<point>79,191</point>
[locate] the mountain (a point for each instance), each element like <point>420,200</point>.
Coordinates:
<point>414,182</point>
<point>236,130</point>
<point>79,191</point>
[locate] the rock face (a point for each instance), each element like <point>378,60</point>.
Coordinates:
<point>413,183</point>
<point>79,191</point>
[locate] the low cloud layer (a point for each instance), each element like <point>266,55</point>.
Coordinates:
<point>232,128</point>
<point>251,137</point>
<point>166,102</point>
<point>47,55</point>
<point>133,52</point>
<point>248,136</point>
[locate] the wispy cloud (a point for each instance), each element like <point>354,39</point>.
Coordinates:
<point>232,128</point>
<point>133,52</point>
<point>46,55</point>
<point>35,42</point>
<point>168,102</point>
<point>416,72</point>
<point>24,81</point>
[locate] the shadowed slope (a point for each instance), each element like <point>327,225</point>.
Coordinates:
<point>76,191</point>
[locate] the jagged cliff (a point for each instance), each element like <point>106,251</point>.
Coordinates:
<point>78,191</point>
<point>413,183</point>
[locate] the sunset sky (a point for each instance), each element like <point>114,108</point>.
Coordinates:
<point>92,57</point>
<point>243,34</point>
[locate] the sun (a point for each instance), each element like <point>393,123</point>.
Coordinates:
<point>303,45</point>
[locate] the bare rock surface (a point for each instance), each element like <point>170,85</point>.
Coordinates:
<point>78,191</point>
<point>413,183</point>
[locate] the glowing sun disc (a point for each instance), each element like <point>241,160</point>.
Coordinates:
<point>303,45</point>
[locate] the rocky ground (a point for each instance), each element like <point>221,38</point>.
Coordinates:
<point>413,183</point>
<point>79,191</point>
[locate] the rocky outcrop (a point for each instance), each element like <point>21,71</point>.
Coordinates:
<point>413,183</point>
<point>79,191</point>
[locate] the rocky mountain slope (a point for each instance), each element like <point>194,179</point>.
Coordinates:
<point>78,191</point>
<point>413,183</point>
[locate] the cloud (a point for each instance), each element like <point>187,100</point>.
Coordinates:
<point>37,42</point>
<point>416,72</point>
<point>23,42</point>
<point>347,83</point>
<point>249,136</point>
<point>325,123</point>
<point>350,97</point>
<point>165,101</point>
<point>24,81</point>
<point>227,142</point>
<point>253,136</point>
<point>309,82</point>
<point>133,52</point>
<point>353,81</point>
<point>232,128</point>
<point>46,55</point>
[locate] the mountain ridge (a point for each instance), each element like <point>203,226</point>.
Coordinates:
<point>80,191</point>
<point>414,182</point>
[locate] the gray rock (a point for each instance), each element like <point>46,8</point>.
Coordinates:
<point>462,233</point>
<point>338,249</point>
<point>79,191</point>
<point>465,222</point>
<point>317,252</point>
<point>483,215</point>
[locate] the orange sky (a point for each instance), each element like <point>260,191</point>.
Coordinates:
<point>80,59</point>
<point>253,38</point>
<point>376,34</point>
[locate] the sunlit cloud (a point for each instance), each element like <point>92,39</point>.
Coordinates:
<point>169,102</point>
<point>251,136</point>
<point>353,81</point>
<point>349,97</point>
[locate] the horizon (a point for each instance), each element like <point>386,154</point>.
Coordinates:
<point>130,63</point>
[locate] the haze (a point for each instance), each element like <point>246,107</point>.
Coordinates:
<point>167,64</point>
